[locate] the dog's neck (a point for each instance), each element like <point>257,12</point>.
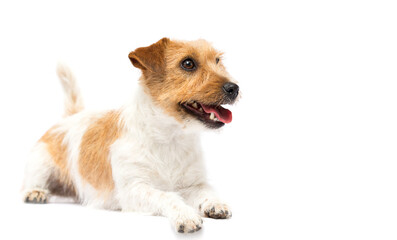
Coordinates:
<point>142,114</point>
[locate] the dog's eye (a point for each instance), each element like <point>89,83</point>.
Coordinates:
<point>188,64</point>
<point>217,60</point>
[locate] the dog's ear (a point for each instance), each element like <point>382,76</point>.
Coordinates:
<point>150,58</point>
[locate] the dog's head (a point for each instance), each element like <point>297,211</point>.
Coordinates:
<point>188,80</point>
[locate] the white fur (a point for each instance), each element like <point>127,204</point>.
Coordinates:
<point>156,165</point>
<point>37,170</point>
<point>73,99</point>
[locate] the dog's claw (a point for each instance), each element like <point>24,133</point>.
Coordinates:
<point>188,223</point>
<point>36,197</point>
<point>217,211</point>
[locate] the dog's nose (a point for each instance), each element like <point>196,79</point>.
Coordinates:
<point>231,90</point>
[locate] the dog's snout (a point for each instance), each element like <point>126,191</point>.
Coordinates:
<point>231,90</point>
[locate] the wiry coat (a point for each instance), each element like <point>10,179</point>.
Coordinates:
<point>145,156</point>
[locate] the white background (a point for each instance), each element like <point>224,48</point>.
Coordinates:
<point>310,154</point>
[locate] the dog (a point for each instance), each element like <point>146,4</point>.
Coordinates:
<point>145,156</point>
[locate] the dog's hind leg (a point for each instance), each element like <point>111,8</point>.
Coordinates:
<point>38,170</point>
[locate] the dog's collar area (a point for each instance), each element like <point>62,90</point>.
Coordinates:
<point>213,116</point>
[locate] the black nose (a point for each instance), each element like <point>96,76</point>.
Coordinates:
<point>231,90</point>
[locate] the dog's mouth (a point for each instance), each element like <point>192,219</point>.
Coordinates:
<point>213,116</point>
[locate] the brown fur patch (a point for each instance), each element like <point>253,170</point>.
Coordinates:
<point>60,182</point>
<point>150,58</point>
<point>169,84</point>
<point>94,163</point>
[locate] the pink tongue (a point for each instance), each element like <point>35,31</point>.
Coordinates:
<point>221,113</point>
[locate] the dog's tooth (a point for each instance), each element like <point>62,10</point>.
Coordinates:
<point>201,110</point>
<point>216,119</point>
<point>212,116</point>
<point>195,105</point>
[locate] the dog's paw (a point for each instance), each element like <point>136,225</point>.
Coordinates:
<point>215,210</point>
<point>36,196</point>
<point>188,222</point>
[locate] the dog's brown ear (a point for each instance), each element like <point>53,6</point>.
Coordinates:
<point>150,58</point>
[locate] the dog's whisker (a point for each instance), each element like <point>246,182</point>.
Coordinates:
<point>113,159</point>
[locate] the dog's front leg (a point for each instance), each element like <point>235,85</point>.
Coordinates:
<point>203,198</point>
<point>144,198</point>
<point>134,193</point>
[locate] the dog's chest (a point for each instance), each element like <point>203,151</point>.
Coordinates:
<point>176,164</point>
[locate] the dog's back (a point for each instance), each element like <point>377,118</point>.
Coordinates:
<point>54,166</point>
<point>145,156</point>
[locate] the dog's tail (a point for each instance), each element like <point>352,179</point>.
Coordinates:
<point>73,99</point>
